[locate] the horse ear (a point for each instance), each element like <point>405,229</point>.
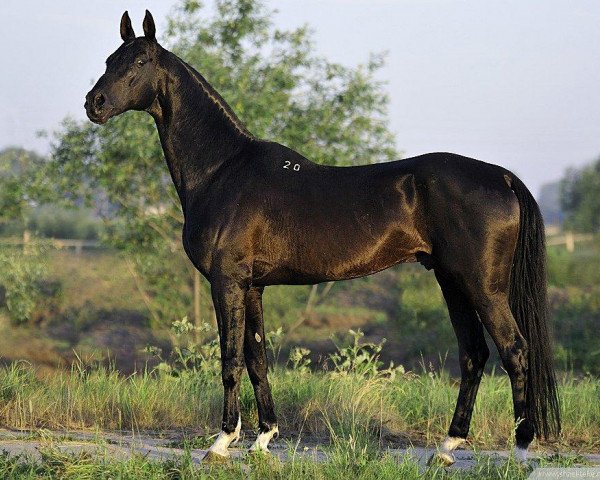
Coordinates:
<point>127,32</point>
<point>149,28</point>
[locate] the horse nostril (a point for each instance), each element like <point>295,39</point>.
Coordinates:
<point>99,100</point>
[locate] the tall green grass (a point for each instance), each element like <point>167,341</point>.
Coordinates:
<point>381,407</point>
<point>339,462</point>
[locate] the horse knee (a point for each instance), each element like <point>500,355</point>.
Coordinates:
<point>516,359</point>
<point>257,371</point>
<point>482,356</point>
<point>474,362</point>
<point>231,373</point>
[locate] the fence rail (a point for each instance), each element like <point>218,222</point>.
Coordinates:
<point>569,239</point>
<point>58,243</point>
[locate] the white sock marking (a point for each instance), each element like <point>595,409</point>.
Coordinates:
<point>445,450</point>
<point>450,443</point>
<point>521,454</point>
<point>225,439</point>
<point>263,439</point>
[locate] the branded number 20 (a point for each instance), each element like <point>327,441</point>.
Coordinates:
<point>296,166</point>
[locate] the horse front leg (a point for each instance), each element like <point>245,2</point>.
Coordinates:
<point>256,362</point>
<point>229,297</point>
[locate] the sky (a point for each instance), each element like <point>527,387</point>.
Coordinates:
<point>511,82</point>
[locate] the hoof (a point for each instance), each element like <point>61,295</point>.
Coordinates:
<point>258,453</point>
<point>521,455</point>
<point>213,458</point>
<point>263,457</point>
<point>441,458</point>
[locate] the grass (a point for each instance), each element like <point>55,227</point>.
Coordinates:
<point>341,461</point>
<point>94,278</point>
<point>381,408</point>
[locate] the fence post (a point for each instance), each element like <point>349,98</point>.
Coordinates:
<point>570,241</point>
<point>26,239</point>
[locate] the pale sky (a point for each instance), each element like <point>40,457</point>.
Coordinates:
<point>513,82</point>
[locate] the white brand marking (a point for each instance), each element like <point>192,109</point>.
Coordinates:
<point>296,166</point>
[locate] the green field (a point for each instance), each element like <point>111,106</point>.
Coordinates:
<point>381,406</point>
<point>342,461</point>
<point>354,412</point>
<point>97,307</point>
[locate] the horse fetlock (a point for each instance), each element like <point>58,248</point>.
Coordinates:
<point>225,439</point>
<point>444,454</point>
<point>521,454</point>
<point>262,440</point>
<point>231,373</point>
<point>450,443</point>
<point>525,433</point>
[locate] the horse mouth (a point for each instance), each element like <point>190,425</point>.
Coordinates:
<point>99,118</point>
<point>99,114</point>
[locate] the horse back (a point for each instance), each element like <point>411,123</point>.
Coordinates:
<point>294,221</point>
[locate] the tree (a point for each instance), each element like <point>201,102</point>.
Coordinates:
<point>21,268</point>
<point>580,199</point>
<point>332,114</point>
<point>18,182</point>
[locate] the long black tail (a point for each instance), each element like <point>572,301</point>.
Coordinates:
<point>529,307</point>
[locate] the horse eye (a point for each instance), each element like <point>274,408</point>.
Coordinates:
<point>140,62</point>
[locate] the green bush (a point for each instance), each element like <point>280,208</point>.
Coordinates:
<point>576,315</point>
<point>21,272</point>
<point>51,221</point>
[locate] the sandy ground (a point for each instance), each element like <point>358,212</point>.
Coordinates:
<point>121,445</point>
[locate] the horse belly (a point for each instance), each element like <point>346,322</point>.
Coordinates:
<point>338,255</point>
<point>365,255</point>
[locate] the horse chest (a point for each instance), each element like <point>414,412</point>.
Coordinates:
<point>197,248</point>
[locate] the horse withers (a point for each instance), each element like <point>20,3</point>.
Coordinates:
<point>258,213</point>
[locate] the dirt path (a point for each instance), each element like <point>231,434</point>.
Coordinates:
<point>154,448</point>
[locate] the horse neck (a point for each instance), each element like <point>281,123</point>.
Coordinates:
<point>198,131</point>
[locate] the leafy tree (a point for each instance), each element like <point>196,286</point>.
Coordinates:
<point>21,272</point>
<point>18,181</point>
<point>332,114</point>
<point>21,268</point>
<point>580,199</point>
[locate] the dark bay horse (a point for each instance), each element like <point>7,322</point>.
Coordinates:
<point>258,214</point>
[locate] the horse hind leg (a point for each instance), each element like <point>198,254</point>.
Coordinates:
<point>497,317</point>
<point>256,362</point>
<point>473,354</point>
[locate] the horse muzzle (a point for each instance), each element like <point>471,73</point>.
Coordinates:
<point>97,107</point>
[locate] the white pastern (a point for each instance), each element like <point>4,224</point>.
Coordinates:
<point>262,441</point>
<point>521,454</point>
<point>225,439</point>
<point>450,443</point>
<point>444,453</point>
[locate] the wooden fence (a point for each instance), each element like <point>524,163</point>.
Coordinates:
<point>569,239</point>
<point>58,243</point>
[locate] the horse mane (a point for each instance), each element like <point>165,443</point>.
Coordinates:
<point>217,99</point>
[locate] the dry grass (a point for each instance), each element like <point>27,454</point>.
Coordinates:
<point>414,407</point>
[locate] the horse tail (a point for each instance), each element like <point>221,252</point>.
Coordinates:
<point>528,303</point>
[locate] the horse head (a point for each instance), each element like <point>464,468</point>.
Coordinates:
<point>131,80</point>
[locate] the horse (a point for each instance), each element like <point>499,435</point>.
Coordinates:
<point>258,213</point>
